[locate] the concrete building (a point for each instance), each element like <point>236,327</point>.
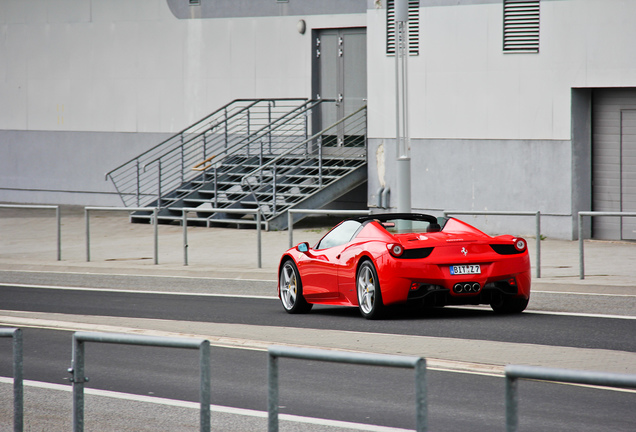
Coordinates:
<point>546,123</point>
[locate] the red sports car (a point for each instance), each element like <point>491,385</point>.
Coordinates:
<point>379,260</point>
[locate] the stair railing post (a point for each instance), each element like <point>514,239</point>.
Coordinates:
<point>182,160</point>
<point>320,162</point>
<point>226,132</point>
<point>156,232</point>
<point>159,184</point>
<point>216,188</point>
<point>184,222</point>
<point>138,182</point>
<point>274,189</point>
<point>269,122</point>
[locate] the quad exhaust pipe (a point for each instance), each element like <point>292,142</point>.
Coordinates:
<point>466,287</point>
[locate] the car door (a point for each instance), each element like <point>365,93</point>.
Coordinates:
<point>319,266</point>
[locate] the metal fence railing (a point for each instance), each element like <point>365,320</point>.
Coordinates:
<point>255,212</point>
<point>87,211</point>
<point>408,362</point>
<point>18,385</point>
<point>537,216</point>
<point>581,242</point>
<point>292,212</point>
<point>515,372</point>
<point>58,219</point>
<point>79,378</point>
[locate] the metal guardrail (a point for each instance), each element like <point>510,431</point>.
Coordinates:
<point>536,214</point>
<point>409,362</point>
<point>58,218</point>
<point>515,372</point>
<point>78,376</point>
<point>591,214</point>
<point>18,385</point>
<point>257,212</point>
<point>291,212</point>
<point>128,209</point>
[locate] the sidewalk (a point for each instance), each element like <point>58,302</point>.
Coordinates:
<point>28,241</point>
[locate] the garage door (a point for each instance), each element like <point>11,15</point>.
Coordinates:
<point>614,162</point>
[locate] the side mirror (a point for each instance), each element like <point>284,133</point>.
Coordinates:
<point>303,247</point>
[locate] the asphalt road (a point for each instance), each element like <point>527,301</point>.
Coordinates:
<point>368,395</point>
<point>462,323</point>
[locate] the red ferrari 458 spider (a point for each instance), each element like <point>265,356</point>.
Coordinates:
<point>379,260</point>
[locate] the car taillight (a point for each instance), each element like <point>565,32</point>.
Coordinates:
<point>395,249</point>
<point>520,244</point>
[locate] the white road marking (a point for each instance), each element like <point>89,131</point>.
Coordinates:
<point>214,408</point>
<point>584,294</point>
<point>124,291</point>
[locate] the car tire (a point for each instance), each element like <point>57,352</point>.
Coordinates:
<point>510,305</point>
<point>369,293</point>
<point>291,289</point>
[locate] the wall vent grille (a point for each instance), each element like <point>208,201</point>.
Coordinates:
<point>414,27</point>
<point>521,26</point>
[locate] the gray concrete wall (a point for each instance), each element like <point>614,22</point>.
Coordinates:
<point>63,167</point>
<point>482,175</point>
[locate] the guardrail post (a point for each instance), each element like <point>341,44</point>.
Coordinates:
<point>512,404</point>
<point>156,232</point>
<point>272,393</point>
<point>184,222</point>
<point>78,379</point>
<point>258,237</point>
<point>421,404</point>
<point>88,234</point>
<point>205,391</point>
<point>18,379</point>
<point>581,259</point>
<point>538,220</point>
<point>58,218</point>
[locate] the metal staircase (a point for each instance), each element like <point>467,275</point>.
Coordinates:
<point>250,154</point>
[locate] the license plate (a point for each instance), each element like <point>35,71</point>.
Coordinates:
<point>465,269</point>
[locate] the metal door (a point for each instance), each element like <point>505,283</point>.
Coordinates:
<point>339,70</point>
<point>614,162</point>
<point>628,172</point>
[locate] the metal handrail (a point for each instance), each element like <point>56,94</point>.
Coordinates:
<point>536,214</point>
<point>591,214</point>
<point>387,360</point>
<point>131,183</point>
<point>224,107</point>
<point>299,145</point>
<point>58,220</point>
<point>237,148</point>
<point>246,179</point>
<point>292,211</point>
<point>78,377</point>
<point>537,373</point>
<point>128,209</point>
<point>256,212</point>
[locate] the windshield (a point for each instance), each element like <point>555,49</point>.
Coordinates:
<point>404,226</point>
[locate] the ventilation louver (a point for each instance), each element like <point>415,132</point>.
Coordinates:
<point>414,27</point>
<point>521,26</point>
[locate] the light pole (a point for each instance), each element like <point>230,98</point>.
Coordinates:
<point>402,139</point>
